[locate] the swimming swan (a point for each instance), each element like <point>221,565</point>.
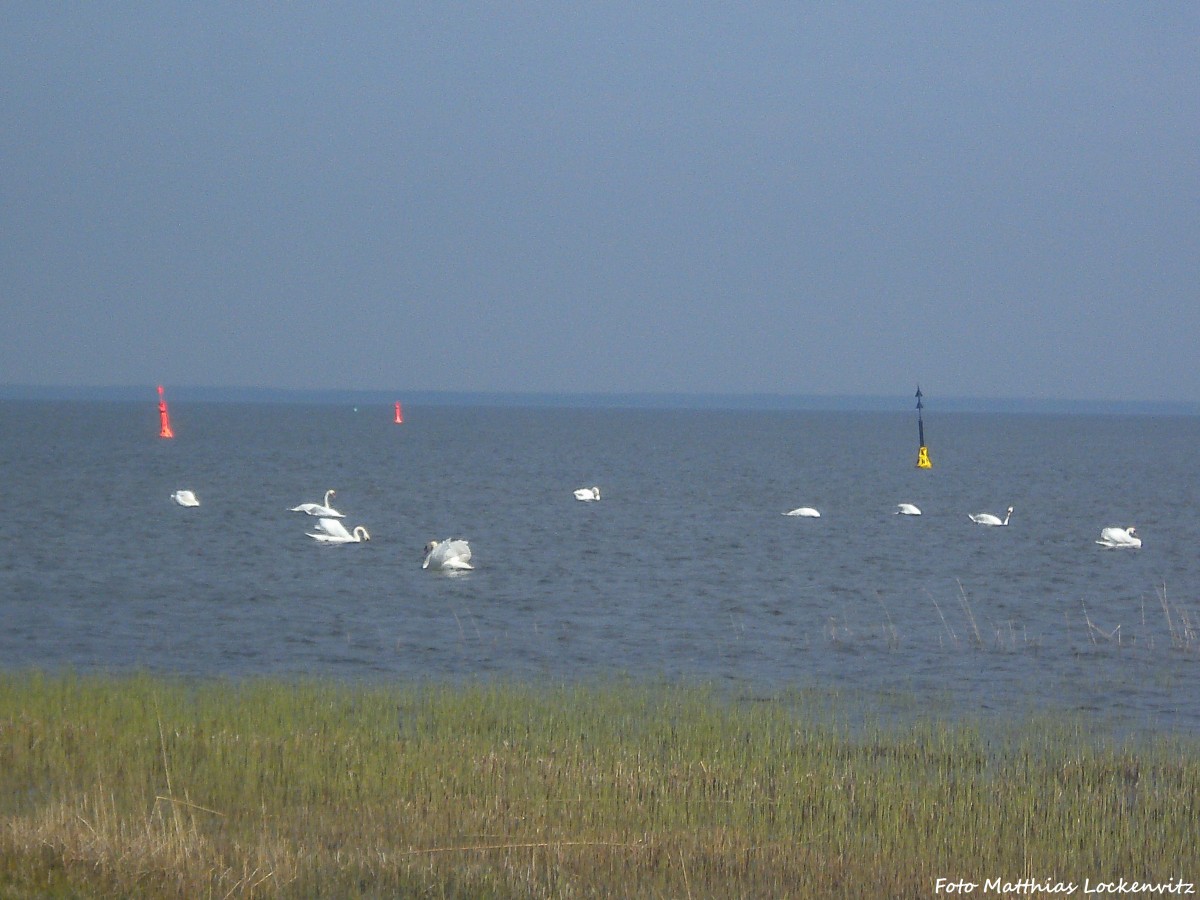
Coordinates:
<point>907,509</point>
<point>185,498</point>
<point>454,554</point>
<point>1119,537</point>
<point>806,511</point>
<point>319,509</point>
<point>989,519</point>
<point>331,531</point>
<point>592,493</point>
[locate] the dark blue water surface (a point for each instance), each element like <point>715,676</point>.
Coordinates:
<point>686,568</point>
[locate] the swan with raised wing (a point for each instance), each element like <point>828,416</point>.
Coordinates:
<point>319,509</point>
<point>989,519</point>
<point>1118,538</point>
<point>453,554</point>
<point>185,498</point>
<point>586,494</point>
<point>907,509</point>
<point>332,531</point>
<point>806,512</point>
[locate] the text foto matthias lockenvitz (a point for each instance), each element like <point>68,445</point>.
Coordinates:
<point>1032,886</point>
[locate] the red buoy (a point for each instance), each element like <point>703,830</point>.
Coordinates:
<point>399,414</point>
<point>164,417</point>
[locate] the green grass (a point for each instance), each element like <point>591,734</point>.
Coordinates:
<point>150,787</point>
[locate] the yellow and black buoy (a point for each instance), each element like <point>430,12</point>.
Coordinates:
<point>922,454</point>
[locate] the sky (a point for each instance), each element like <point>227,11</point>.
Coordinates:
<point>793,198</point>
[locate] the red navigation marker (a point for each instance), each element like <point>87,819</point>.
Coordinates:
<point>164,417</point>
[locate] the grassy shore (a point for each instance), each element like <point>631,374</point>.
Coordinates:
<point>149,787</point>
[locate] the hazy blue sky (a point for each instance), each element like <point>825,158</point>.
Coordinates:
<point>993,199</point>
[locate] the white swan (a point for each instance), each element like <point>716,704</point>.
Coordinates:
<point>1119,537</point>
<point>319,509</point>
<point>989,519</point>
<point>592,493</point>
<point>806,511</point>
<point>331,531</point>
<point>907,509</point>
<point>454,554</point>
<point>185,498</point>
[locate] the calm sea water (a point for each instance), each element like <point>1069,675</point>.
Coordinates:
<point>686,568</point>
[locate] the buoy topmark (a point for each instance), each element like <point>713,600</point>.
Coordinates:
<point>164,417</point>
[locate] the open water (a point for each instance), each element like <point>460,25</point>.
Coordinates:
<point>685,570</point>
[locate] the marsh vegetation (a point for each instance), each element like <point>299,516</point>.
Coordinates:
<point>141,786</point>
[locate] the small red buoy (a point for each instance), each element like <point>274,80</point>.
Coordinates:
<point>399,415</point>
<point>164,417</point>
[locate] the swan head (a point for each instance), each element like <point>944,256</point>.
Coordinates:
<point>361,533</point>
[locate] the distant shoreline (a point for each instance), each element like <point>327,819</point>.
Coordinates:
<point>647,400</point>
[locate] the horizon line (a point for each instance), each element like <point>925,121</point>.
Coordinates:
<point>764,400</point>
